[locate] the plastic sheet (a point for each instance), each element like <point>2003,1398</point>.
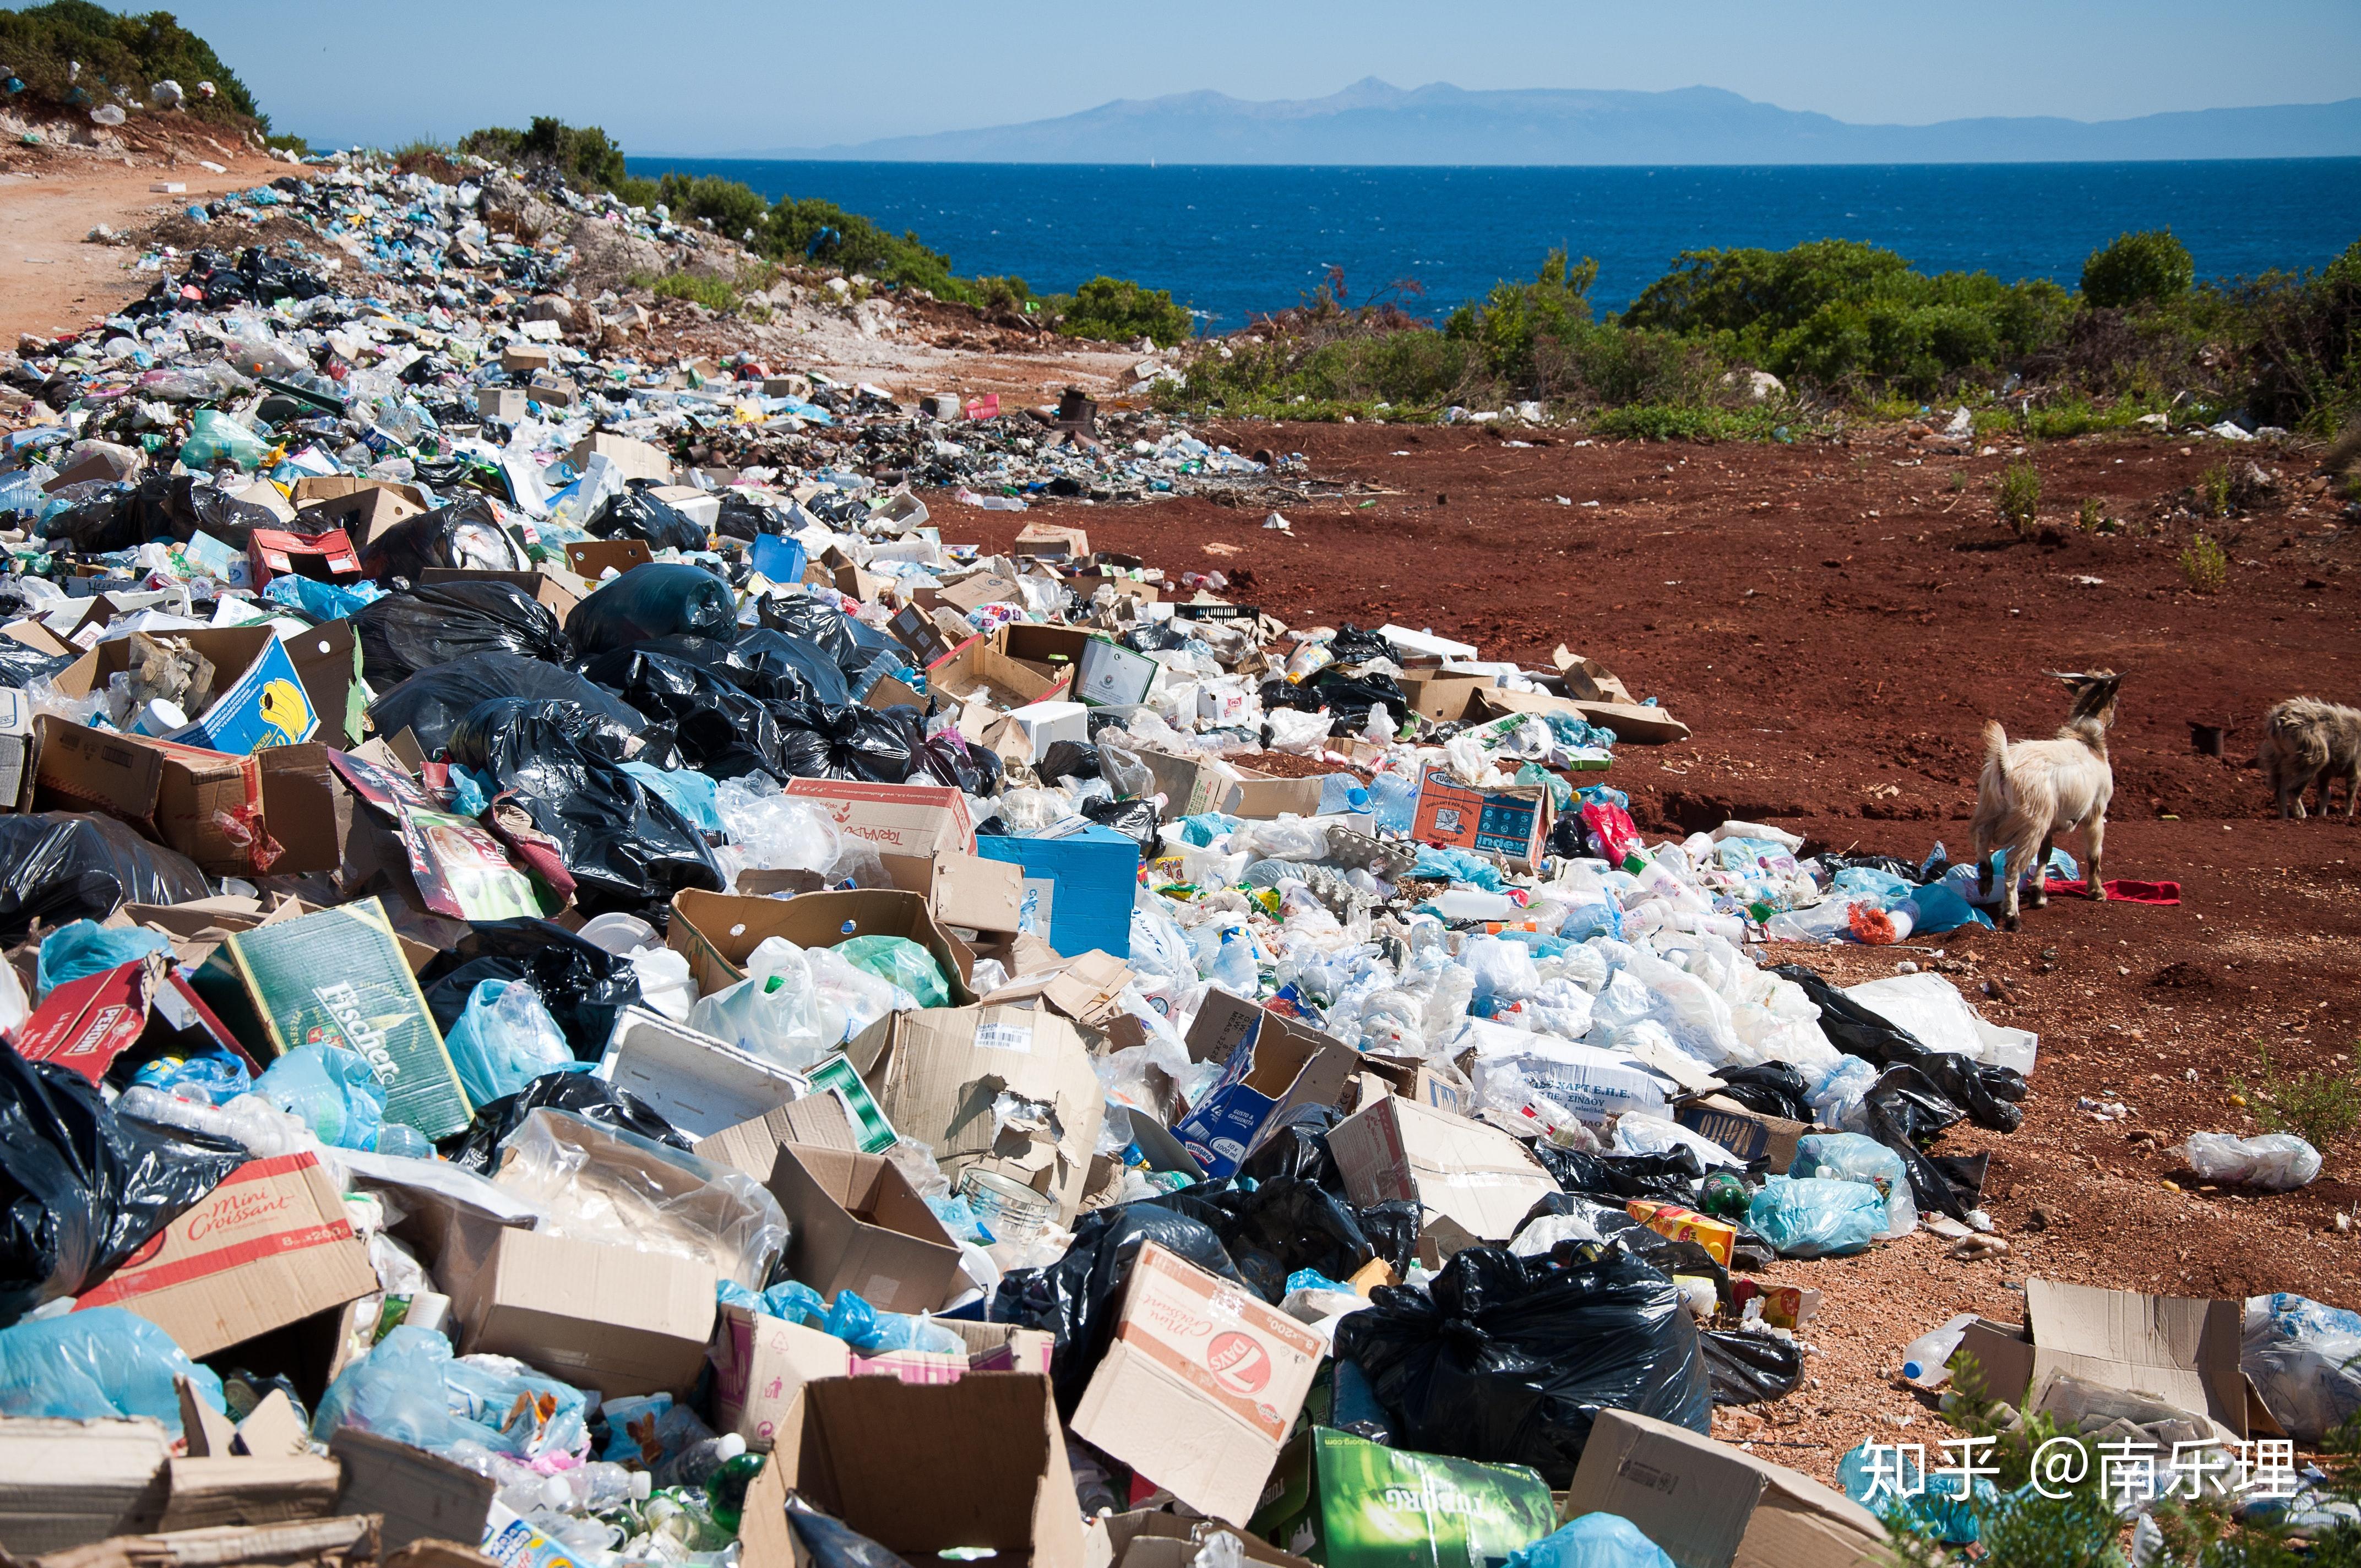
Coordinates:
<point>93,1365</point>
<point>503,1040</point>
<point>2304,1357</point>
<point>431,703</point>
<point>84,948</point>
<point>1509,1359</point>
<point>1817,1219</point>
<point>56,866</point>
<point>440,623</point>
<point>898,960</point>
<point>1593,1541</point>
<point>662,598</point>
<point>409,1388</point>
<point>775,1012</point>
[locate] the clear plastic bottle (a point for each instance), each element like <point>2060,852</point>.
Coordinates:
<point>694,1464</point>
<point>1393,800</point>
<point>1924,1358</point>
<point>1234,967</point>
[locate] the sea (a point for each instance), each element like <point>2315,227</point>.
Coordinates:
<point>1234,241</point>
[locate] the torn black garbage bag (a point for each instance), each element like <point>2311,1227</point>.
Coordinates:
<point>81,1187</point>
<point>56,866</point>
<point>1667,1174</point>
<point>592,1099</point>
<point>719,729</point>
<point>627,847</point>
<point>635,514</point>
<point>662,598</point>
<point>1748,1368</point>
<point>466,533</point>
<point>581,983</point>
<point>402,634</point>
<point>431,703</point>
<point>1510,1360</point>
<point>1989,1094</point>
<point>769,666</point>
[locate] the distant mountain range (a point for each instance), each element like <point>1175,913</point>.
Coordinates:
<point>1373,122</point>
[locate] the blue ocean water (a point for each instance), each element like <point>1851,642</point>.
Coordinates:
<point>1232,241</point>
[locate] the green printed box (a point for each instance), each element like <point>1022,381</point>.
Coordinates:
<point>1347,1502</point>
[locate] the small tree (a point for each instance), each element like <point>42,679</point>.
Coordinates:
<point>2150,267</point>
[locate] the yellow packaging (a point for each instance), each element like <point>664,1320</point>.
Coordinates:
<point>1686,1225</point>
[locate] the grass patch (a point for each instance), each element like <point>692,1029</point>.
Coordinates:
<point>2017,496</point>
<point>2213,491</point>
<point>717,294</point>
<point>2319,1107</point>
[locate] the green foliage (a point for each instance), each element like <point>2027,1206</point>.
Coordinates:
<point>586,155</point>
<point>729,207</point>
<point>1516,319</point>
<point>1118,310</point>
<point>2017,496</point>
<point>2213,490</point>
<point>39,44</point>
<point>2203,565</point>
<point>1685,422</point>
<point>997,294</point>
<point>2148,269</point>
<point>713,293</point>
<point>2319,1107</point>
<point>2303,346</point>
<point>2092,517</point>
<point>293,144</point>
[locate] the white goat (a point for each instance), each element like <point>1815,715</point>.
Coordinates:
<point>2033,791</point>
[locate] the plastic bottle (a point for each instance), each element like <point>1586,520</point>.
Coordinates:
<point>1474,904</point>
<point>1924,1359</point>
<point>696,1464</point>
<point>1724,1196</point>
<point>595,1488</point>
<point>1393,800</point>
<point>1234,967</point>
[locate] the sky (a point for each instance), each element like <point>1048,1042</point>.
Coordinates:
<point>718,76</point>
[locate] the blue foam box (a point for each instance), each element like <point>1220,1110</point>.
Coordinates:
<point>1078,889</point>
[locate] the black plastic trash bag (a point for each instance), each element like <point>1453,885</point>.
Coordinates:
<point>428,627</point>
<point>1352,645</point>
<point>592,1099</point>
<point>720,730</point>
<point>1508,1360</point>
<point>1750,1369</point>
<point>56,866</point>
<point>1903,1110</point>
<point>431,703</point>
<point>81,1187</point>
<point>871,744</point>
<point>949,759</point>
<point>1133,819</point>
<point>581,983</point>
<point>99,518</point>
<point>20,666</point>
<point>1068,760</point>
<point>1282,1226</point>
<point>661,598</point>
<point>1078,1297</point>
<point>1773,1089</point>
<point>1298,1148</point>
<point>766,664</point>
<point>852,645</point>
<point>627,847</point>
<point>1667,1175</point>
<point>1988,1094</point>
<point>635,514</point>
<point>465,533</point>
<point>743,517</point>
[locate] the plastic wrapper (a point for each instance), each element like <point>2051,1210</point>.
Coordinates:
<point>93,1365</point>
<point>2304,1358</point>
<point>410,1388</point>
<point>599,1184</point>
<point>331,1090</point>
<point>2275,1162</point>
<point>626,847</point>
<point>1593,1541</point>
<point>1508,1360</point>
<point>579,1095</point>
<point>661,598</point>
<point>1817,1219</point>
<point>635,514</point>
<point>467,533</point>
<point>439,623</point>
<point>899,961</point>
<point>81,1187</point>
<point>503,1040</point>
<point>582,984</point>
<point>84,948</point>
<point>56,866</point>
<point>431,703</point>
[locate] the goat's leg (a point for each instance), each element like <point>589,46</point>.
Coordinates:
<point>2041,871</point>
<point>2097,829</point>
<point>2007,873</point>
<point>1983,838</point>
<point>2352,787</point>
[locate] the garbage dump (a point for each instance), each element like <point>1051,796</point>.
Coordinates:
<point>588,982</point>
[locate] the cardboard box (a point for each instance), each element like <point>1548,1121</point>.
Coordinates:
<point>1752,1135</point>
<point>1111,675</point>
<point>551,391</point>
<point>1473,1174</point>
<point>1347,1502</point>
<point>420,1496</point>
<point>716,931</point>
<point>144,1008</point>
<point>183,796</point>
<point>327,557</point>
<point>914,630</point>
<point>523,358</point>
<point>1513,823</point>
<point>1154,1539</point>
<point>258,700</point>
<point>502,405</point>
<point>1634,722</point>
<point>856,1224</point>
<point>968,891</point>
<point>977,672</point>
<point>1443,698</point>
<point>1273,1065</point>
<point>68,1482</point>
<point>16,744</point>
<point>339,976</point>
<point>972,593</point>
<point>615,1319</point>
<point>362,508</point>
<point>1049,541</point>
<point>977,1463</point>
<point>761,1365</point>
<point>1262,798</point>
<point>327,660</point>
<point>267,1247</point>
<point>1707,1505</point>
<point>936,1071</point>
<point>699,1084</point>
<point>592,558</point>
<point>1715,1236</point>
<point>819,1120</point>
<point>1078,886</point>
<point>1189,785</point>
<point>1054,651</point>
<point>1201,1385</point>
<point>896,819</point>
<point>636,459</point>
<point>2177,1349</point>
<point>1436,1084</point>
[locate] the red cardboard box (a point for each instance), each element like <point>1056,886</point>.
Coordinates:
<point>86,1023</point>
<point>325,558</point>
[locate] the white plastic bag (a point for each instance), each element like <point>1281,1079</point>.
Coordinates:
<point>2275,1162</point>
<point>775,1012</point>
<point>2302,1357</point>
<point>1298,733</point>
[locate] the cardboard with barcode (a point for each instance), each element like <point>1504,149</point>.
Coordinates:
<point>268,1246</point>
<point>1200,1387</point>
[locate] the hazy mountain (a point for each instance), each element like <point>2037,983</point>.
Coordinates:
<point>1372,122</point>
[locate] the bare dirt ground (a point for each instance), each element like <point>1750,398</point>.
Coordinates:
<point>1836,622</point>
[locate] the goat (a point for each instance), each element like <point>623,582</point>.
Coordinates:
<point>2032,790</point>
<point>2305,742</point>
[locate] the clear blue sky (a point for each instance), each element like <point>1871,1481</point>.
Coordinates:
<point>705,76</point>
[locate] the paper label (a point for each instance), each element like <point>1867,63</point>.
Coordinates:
<point>1004,1036</point>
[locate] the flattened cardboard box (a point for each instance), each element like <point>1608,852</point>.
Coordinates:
<point>1200,1387</point>
<point>1707,1505</point>
<point>269,1246</point>
<point>855,1223</point>
<point>1469,1172</point>
<point>66,1483</point>
<point>1748,1134</point>
<point>1634,722</point>
<point>968,891</point>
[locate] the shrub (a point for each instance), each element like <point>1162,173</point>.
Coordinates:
<point>2018,496</point>
<point>713,293</point>
<point>1516,319</point>
<point>2092,517</point>
<point>586,155</point>
<point>40,44</point>
<point>2319,1107</point>
<point>997,294</point>
<point>2148,269</point>
<point>2214,488</point>
<point>1117,311</point>
<point>729,207</point>
<point>2204,564</point>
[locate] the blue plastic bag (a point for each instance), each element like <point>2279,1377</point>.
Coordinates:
<point>1937,908</point>
<point>1815,1218</point>
<point>1939,1506</point>
<point>410,1388</point>
<point>1886,888</point>
<point>692,794</point>
<point>331,1090</point>
<point>91,1365</point>
<point>504,1039</point>
<point>208,1081</point>
<point>1459,865</point>
<point>1594,1541</point>
<point>85,948</point>
<point>322,601</point>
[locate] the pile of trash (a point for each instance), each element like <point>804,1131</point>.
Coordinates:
<point>578,1004</point>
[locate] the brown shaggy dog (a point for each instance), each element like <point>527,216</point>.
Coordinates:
<point>2305,742</point>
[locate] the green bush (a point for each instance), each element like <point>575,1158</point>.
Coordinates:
<point>1117,311</point>
<point>2206,567</point>
<point>729,207</point>
<point>2017,498</point>
<point>41,43</point>
<point>2150,267</point>
<point>586,155</point>
<point>1516,319</point>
